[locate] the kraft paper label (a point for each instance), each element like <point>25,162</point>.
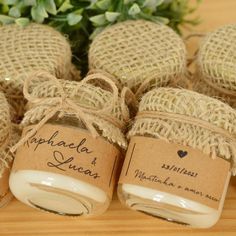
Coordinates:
<point>72,152</point>
<point>175,169</point>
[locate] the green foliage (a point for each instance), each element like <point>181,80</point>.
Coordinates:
<point>81,20</point>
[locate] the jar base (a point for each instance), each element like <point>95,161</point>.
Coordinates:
<point>53,211</point>
<point>57,194</point>
<point>59,201</point>
<point>167,207</point>
<point>152,209</point>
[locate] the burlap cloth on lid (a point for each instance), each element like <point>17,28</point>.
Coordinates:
<point>139,54</point>
<point>6,159</point>
<point>188,118</point>
<point>216,60</point>
<point>5,121</point>
<point>79,104</point>
<point>8,137</point>
<point>24,50</point>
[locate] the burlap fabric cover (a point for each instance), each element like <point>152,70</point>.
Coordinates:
<point>6,157</point>
<point>5,121</point>
<point>216,60</point>
<point>44,95</point>
<point>188,118</point>
<point>139,53</point>
<point>5,130</point>
<point>8,137</point>
<point>8,134</point>
<point>24,50</point>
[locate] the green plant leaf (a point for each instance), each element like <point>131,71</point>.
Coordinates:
<point>152,4</point>
<point>66,5</point>
<point>103,4</point>
<point>6,19</point>
<point>29,2</point>
<point>134,10</point>
<point>39,13</point>
<point>50,7</point>
<point>22,21</point>
<point>59,2</point>
<point>4,9</point>
<point>98,20</point>
<point>10,2</point>
<point>160,19</point>
<point>126,2</point>
<point>14,12</point>
<point>74,18</point>
<point>111,16</point>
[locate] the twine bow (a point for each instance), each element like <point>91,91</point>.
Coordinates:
<point>62,103</point>
<point>127,96</point>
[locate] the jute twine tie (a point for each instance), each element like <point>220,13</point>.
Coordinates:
<point>63,104</point>
<point>187,120</point>
<point>128,98</point>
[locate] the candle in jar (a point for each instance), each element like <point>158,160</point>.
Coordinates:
<point>62,168</point>
<point>177,166</point>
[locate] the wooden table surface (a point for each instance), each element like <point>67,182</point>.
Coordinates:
<point>20,220</point>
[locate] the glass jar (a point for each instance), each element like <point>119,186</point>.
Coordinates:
<point>64,170</point>
<point>180,157</point>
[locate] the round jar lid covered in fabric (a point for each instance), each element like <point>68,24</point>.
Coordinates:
<point>26,49</point>
<point>216,71</point>
<point>139,54</point>
<point>83,103</point>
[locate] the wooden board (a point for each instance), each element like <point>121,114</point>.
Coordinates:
<point>20,220</point>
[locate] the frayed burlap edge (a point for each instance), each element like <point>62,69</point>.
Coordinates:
<point>206,140</point>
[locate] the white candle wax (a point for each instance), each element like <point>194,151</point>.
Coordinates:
<point>168,206</point>
<point>57,193</point>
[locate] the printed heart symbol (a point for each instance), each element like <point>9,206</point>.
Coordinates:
<point>182,153</point>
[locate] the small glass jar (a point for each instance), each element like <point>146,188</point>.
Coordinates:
<point>49,185</point>
<point>180,157</point>
<point>66,162</point>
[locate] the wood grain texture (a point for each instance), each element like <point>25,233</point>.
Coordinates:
<point>20,220</point>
